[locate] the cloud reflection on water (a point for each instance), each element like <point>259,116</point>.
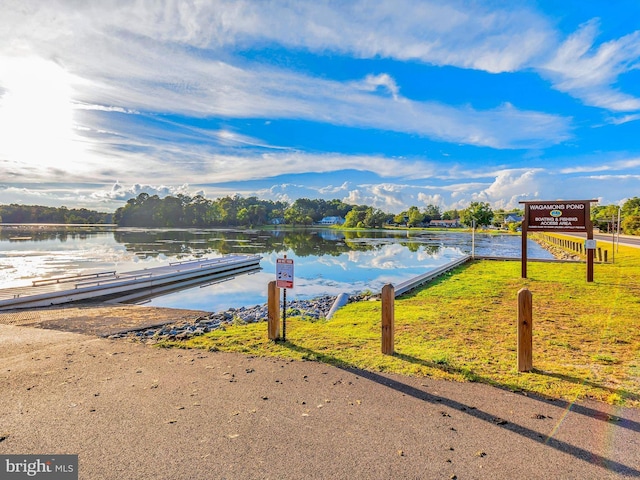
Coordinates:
<point>326,262</point>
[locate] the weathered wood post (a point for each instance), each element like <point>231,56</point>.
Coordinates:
<point>525,331</point>
<point>273,311</point>
<point>387,297</point>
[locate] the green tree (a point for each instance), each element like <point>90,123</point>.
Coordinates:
<point>631,225</point>
<point>375,218</point>
<point>431,212</point>
<point>355,218</point>
<point>415,217</point>
<point>605,217</point>
<point>631,207</point>
<point>479,211</point>
<point>451,215</point>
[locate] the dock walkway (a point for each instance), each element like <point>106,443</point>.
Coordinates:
<point>59,290</point>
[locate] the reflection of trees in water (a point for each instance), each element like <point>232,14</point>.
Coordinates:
<point>43,233</point>
<point>415,247</point>
<point>197,242</point>
<point>303,242</point>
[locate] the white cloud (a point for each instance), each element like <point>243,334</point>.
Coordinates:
<point>122,193</point>
<point>372,82</point>
<point>510,186</point>
<point>624,119</point>
<point>332,190</point>
<point>614,177</point>
<point>435,199</point>
<point>388,196</point>
<point>120,67</point>
<point>587,71</point>
<point>457,33</point>
<point>128,72</point>
<point>602,165</point>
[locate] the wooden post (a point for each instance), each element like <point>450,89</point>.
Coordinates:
<point>525,223</point>
<point>387,297</point>
<point>525,331</point>
<point>273,311</point>
<point>606,254</point>
<point>590,251</point>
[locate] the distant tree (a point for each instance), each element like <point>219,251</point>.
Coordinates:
<point>337,208</point>
<point>451,215</point>
<point>228,207</point>
<point>355,217</point>
<point>605,217</point>
<point>399,219</point>
<point>375,218</point>
<point>416,218</point>
<point>431,212</point>
<point>362,216</point>
<point>15,213</point>
<point>631,207</point>
<point>631,225</point>
<point>479,211</point>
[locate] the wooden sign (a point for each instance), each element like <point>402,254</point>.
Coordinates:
<point>558,216</point>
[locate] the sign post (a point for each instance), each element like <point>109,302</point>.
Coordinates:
<point>558,216</point>
<point>284,280</point>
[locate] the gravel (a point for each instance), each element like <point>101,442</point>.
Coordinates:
<point>313,309</point>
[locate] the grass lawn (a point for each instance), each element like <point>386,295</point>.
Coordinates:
<point>586,336</point>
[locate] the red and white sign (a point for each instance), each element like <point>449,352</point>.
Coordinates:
<point>284,272</point>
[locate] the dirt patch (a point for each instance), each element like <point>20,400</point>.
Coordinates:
<point>98,319</point>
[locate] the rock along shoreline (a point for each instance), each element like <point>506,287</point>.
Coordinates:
<point>313,309</point>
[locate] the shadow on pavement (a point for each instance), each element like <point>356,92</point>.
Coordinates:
<point>472,411</point>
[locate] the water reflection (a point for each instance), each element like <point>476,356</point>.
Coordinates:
<point>327,261</point>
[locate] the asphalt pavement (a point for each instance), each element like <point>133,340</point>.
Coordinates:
<point>132,411</point>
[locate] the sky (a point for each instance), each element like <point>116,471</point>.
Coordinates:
<point>392,104</point>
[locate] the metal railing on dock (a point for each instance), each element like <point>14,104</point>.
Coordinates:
<point>70,278</point>
<point>415,282</point>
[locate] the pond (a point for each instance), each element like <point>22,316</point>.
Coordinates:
<point>327,261</point>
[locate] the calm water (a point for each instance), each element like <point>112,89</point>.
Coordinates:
<point>327,261</point>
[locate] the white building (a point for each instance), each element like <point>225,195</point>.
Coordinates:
<point>331,221</point>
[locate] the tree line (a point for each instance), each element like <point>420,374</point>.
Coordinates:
<point>605,217</point>
<point>185,211</point>
<point>15,213</point>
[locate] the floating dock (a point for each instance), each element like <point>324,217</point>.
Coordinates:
<point>94,286</point>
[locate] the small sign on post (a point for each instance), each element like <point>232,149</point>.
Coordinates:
<point>284,280</point>
<point>284,272</point>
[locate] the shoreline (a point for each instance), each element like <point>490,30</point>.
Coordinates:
<point>315,309</point>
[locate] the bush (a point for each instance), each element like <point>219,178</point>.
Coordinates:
<point>631,225</point>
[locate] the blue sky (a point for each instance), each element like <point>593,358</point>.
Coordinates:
<point>388,103</point>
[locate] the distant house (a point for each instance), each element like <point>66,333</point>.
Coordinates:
<point>277,221</point>
<point>444,223</point>
<point>331,221</point>
<point>512,218</point>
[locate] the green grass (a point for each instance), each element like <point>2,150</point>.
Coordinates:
<point>462,327</point>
